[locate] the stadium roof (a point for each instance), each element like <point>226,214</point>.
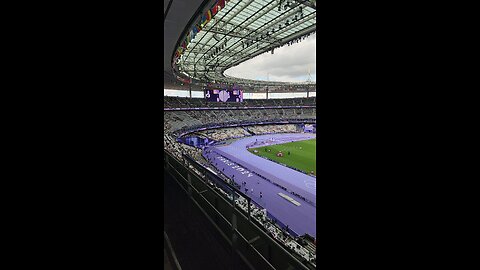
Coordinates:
<point>177,14</point>
<point>223,34</point>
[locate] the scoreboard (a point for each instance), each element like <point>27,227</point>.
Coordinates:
<point>223,94</point>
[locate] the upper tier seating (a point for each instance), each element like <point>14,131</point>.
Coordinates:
<point>178,102</point>
<point>181,120</point>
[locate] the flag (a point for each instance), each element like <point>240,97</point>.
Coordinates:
<point>214,10</point>
<point>206,18</point>
<point>221,3</point>
<point>209,15</point>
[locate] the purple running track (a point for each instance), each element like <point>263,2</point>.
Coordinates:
<point>293,180</point>
<point>231,158</point>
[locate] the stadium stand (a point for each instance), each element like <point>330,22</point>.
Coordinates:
<point>269,129</point>
<point>177,123</point>
<point>197,52</point>
<point>250,112</point>
<point>225,133</point>
<point>178,102</point>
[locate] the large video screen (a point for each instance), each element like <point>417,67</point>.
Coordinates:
<point>223,94</point>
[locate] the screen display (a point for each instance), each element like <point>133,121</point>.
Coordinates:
<point>223,94</point>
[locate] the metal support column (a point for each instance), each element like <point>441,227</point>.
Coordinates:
<point>166,163</point>
<point>269,252</point>
<point>189,178</point>
<point>234,228</point>
<point>248,200</point>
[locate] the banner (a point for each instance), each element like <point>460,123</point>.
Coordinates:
<point>199,26</point>
<point>184,80</point>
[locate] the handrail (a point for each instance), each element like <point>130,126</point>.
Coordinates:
<point>276,257</point>
<point>171,253</point>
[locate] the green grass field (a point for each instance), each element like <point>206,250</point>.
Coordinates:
<point>302,154</point>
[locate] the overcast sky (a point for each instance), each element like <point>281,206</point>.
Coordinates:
<point>288,64</point>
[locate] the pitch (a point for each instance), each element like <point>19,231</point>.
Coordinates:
<point>302,154</point>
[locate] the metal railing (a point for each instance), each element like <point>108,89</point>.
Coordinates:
<point>248,240</point>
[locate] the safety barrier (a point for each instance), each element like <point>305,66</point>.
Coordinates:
<point>248,240</point>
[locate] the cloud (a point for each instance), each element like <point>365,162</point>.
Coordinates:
<point>289,63</point>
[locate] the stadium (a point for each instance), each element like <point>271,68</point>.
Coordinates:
<point>239,153</point>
